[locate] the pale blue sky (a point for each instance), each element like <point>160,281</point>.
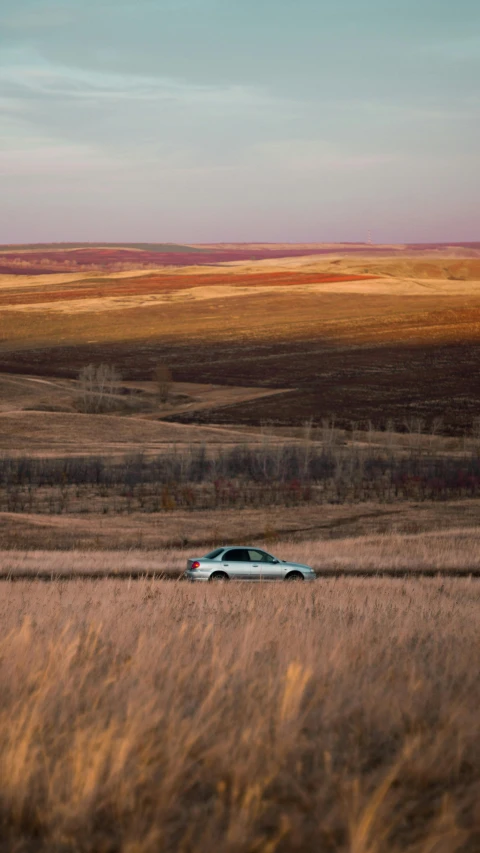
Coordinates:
<point>210,120</point>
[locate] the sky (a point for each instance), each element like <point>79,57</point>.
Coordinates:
<point>239,120</point>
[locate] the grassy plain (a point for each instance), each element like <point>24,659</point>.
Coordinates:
<point>256,347</point>
<point>164,717</point>
<point>204,529</point>
<point>154,716</point>
<point>403,334</point>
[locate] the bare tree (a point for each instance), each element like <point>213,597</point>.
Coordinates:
<point>162,375</point>
<point>390,435</point>
<point>307,445</point>
<point>98,387</point>
<point>415,425</point>
<point>328,431</point>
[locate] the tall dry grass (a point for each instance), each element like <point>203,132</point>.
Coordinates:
<point>442,551</point>
<point>166,717</point>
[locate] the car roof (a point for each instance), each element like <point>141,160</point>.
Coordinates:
<point>254,547</point>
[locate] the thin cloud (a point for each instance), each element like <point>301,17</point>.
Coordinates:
<point>51,159</point>
<point>421,109</point>
<point>310,155</point>
<point>22,77</point>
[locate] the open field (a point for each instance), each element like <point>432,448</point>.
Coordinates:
<point>204,529</point>
<point>74,433</point>
<point>165,717</point>
<point>364,334</point>
<point>455,551</point>
<point>257,348</point>
<point>43,415</point>
<point>325,404</point>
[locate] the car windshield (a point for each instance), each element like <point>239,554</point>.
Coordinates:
<point>213,554</point>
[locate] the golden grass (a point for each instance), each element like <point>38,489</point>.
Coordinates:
<point>181,304</point>
<point>452,550</point>
<point>153,297</point>
<point>152,717</point>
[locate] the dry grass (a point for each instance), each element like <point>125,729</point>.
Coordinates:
<point>55,433</point>
<point>206,528</point>
<point>165,717</point>
<point>42,415</point>
<point>442,551</point>
<point>284,298</point>
<point>453,550</point>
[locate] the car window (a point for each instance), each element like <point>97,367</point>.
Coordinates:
<point>256,556</point>
<point>237,555</point>
<point>213,554</point>
<point>261,557</point>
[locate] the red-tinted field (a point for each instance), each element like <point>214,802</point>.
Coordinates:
<point>72,260</point>
<point>159,284</point>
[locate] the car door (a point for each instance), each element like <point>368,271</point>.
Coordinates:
<point>263,566</point>
<point>236,563</point>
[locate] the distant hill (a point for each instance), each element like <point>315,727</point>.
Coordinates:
<point>59,247</point>
<point>40,259</point>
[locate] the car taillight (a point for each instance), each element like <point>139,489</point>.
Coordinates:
<point>195,565</point>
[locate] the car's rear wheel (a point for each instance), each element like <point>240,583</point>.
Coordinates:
<point>294,576</point>
<point>218,576</point>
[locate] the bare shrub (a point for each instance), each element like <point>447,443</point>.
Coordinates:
<point>98,388</point>
<point>240,475</point>
<point>162,376</point>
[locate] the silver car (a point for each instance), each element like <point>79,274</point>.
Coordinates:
<point>245,563</point>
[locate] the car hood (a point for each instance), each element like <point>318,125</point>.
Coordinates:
<point>298,565</point>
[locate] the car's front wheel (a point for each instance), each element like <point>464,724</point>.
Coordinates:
<point>219,576</point>
<point>294,576</point>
